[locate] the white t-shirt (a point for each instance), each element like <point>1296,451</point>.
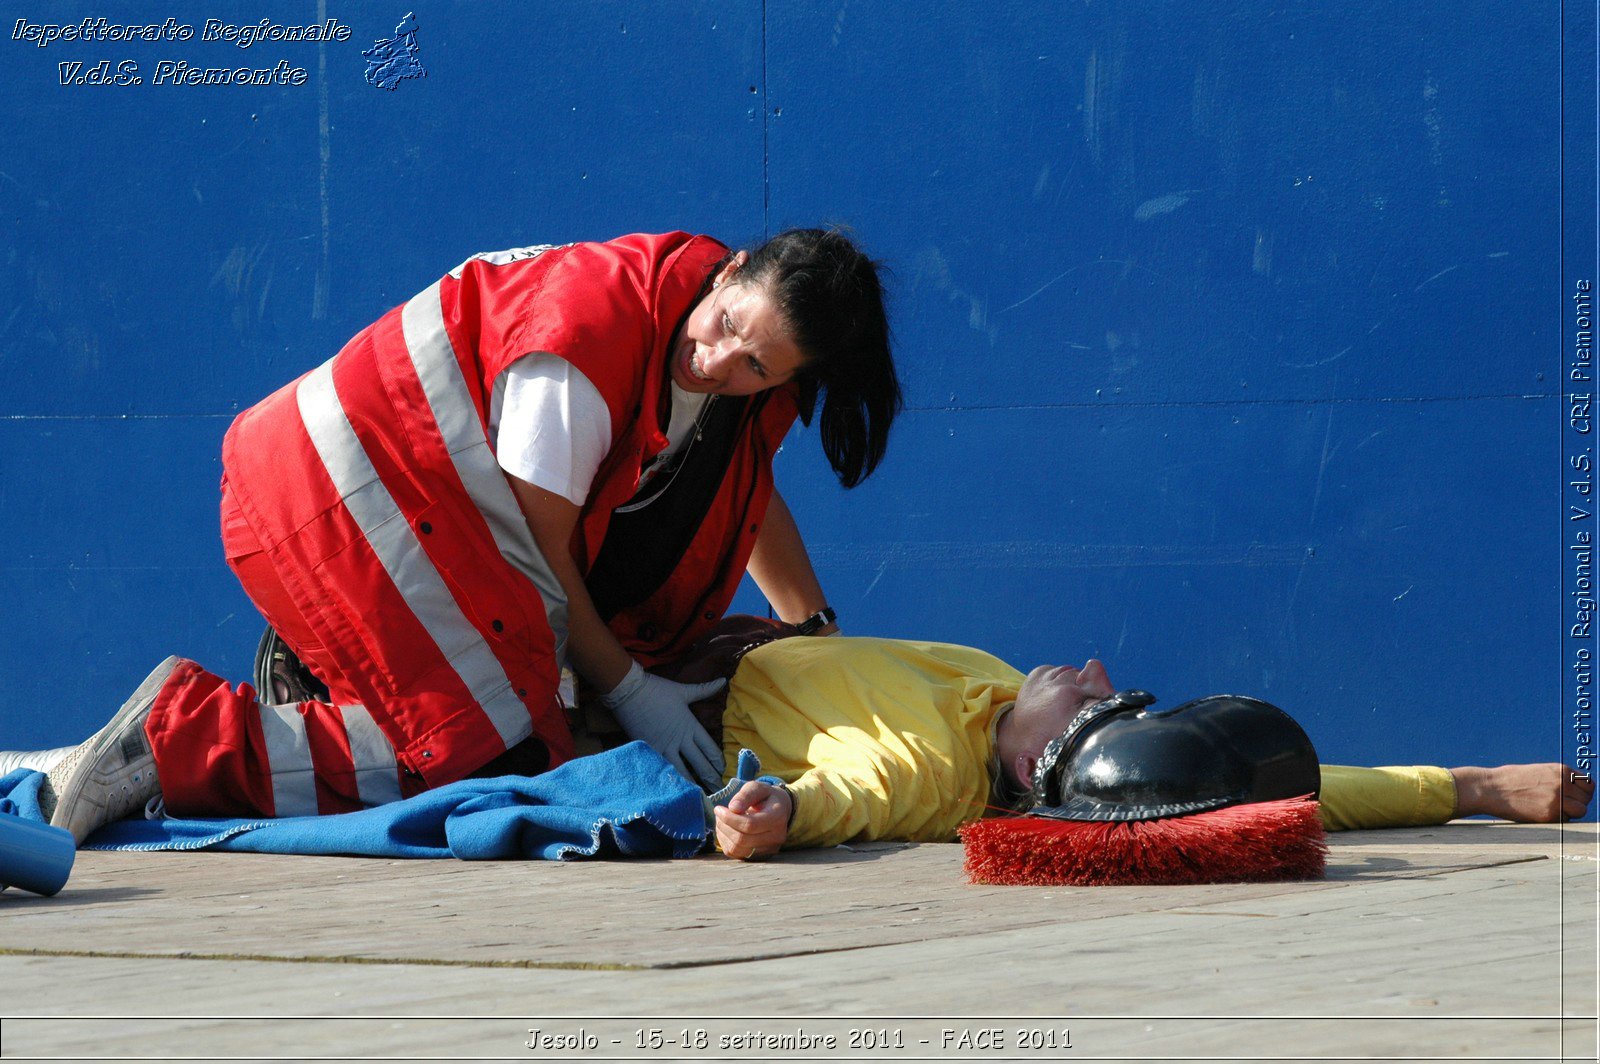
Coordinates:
<point>551,427</point>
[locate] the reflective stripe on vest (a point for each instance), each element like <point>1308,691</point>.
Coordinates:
<point>434,361</point>
<point>377,771</point>
<point>398,550</point>
<point>293,768</point>
<point>294,781</point>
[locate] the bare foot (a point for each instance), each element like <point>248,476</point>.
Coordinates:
<point>1532,794</point>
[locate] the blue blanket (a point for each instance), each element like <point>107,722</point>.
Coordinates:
<point>627,802</point>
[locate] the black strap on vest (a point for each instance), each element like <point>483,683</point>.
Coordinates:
<point>644,545</point>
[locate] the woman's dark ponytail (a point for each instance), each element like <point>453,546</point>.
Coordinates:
<point>829,293</point>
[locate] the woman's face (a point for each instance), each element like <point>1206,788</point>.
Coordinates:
<point>735,341</point>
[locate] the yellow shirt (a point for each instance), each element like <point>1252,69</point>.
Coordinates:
<point>1396,796</point>
<point>889,739</point>
<point>877,738</point>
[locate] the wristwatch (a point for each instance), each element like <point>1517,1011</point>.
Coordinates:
<point>817,621</point>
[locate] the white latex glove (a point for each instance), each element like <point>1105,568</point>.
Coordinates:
<point>656,711</point>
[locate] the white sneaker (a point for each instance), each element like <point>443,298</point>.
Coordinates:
<point>111,775</point>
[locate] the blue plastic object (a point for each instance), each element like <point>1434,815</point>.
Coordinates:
<point>34,857</point>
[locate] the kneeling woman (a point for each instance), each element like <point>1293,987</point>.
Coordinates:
<point>552,454</point>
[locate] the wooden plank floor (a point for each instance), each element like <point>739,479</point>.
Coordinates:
<point>1474,941</point>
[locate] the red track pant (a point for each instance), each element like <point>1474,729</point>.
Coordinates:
<point>222,752</point>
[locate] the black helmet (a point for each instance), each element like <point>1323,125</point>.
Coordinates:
<point>1120,760</point>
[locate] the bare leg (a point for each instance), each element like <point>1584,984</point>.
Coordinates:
<point>1536,794</point>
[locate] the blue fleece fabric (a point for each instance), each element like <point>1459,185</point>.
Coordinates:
<point>627,802</point>
<point>748,768</point>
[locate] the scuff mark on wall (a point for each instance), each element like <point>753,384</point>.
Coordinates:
<point>1261,259</point>
<point>1057,278</point>
<point>1370,438</point>
<point>1336,356</point>
<point>888,559</point>
<point>1102,75</point>
<point>1202,101</point>
<point>1435,277</point>
<point>1287,631</point>
<point>1327,453</point>
<point>1430,119</point>
<point>1162,204</point>
<point>932,266</point>
<point>1091,104</point>
<point>237,276</point>
<point>1434,128</point>
<point>1127,266</point>
<point>838,23</point>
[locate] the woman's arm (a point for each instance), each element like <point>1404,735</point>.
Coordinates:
<point>782,569</point>
<point>649,708</point>
<point>596,655</point>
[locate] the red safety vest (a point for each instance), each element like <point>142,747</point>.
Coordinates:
<point>372,485</point>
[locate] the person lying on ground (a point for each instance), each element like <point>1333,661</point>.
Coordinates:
<point>906,740</point>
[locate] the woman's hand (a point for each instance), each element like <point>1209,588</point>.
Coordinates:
<point>755,821</point>
<point>656,711</point>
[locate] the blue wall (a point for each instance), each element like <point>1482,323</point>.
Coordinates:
<point>1232,334</point>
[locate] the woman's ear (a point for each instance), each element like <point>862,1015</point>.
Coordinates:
<point>733,266</point>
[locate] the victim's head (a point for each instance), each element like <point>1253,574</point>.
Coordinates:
<point>1048,699</point>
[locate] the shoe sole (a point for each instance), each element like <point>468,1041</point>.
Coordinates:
<point>69,794</point>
